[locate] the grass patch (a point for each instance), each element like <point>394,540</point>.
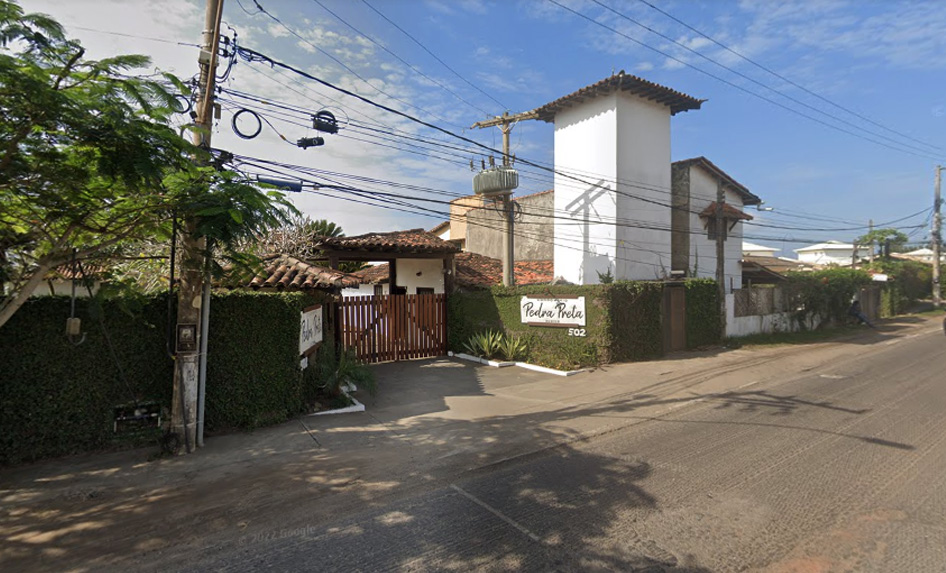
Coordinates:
<point>793,338</point>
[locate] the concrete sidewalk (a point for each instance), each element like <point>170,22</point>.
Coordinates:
<point>431,421</point>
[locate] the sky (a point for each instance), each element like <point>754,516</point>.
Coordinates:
<point>869,76</point>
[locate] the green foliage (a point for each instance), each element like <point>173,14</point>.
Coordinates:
<point>493,344</point>
<point>56,398</point>
<point>880,237</point>
<point>702,314</point>
<point>635,320</point>
<point>89,160</point>
<point>824,295</point>
<point>334,370</point>
<point>606,277</point>
<point>913,279</point>
<point>623,322</point>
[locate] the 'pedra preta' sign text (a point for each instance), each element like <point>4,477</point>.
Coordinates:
<point>559,311</point>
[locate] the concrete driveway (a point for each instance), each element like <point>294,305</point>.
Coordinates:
<point>431,422</point>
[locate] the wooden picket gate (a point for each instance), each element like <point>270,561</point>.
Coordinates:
<point>394,327</point>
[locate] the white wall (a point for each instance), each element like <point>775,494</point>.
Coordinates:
<point>643,168</point>
<point>431,274</point>
<point>834,256</point>
<point>761,323</point>
<point>585,143</point>
<point>702,250</point>
<point>616,144</point>
<point>64,288</point>
<point>363,290</point>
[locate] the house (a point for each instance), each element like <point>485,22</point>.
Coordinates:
<point>693,220</point>
<point>285,273</point>
<point>533,230</point>
<point>754,250</point>
<point>418,261</point>
<point>473,272</point>
<point>923,255</point>
<point>612,178</point>
<point>832,253</point>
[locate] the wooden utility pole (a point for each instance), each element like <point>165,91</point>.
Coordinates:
<point>721,256</point>
<point>870,227</point>
<point>937,238</point>
<point>505,122</point>
<point>189,299</point>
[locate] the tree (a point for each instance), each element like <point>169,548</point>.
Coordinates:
<point>90,162</point>
<point>880,237</point>
<point>296,239</point>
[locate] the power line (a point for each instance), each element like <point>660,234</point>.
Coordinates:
<point>738,87</point>
<point>399,58</point>
<point>753,80</point>
<point>346,67</point>
<point>784,79</point>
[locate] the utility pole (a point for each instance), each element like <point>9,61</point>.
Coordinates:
<point>189,294</point>
<point>937,238</point>
<point>721,257</point>
<point>870,227</point>
<point>506,122</point>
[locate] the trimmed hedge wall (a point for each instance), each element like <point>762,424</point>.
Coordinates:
<point>253,376</point>
<point>702,300</point>
<point>623,322</point>
<point>58,399</point>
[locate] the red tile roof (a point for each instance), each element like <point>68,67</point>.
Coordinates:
<point>676,101</point>
<point>478,271</point>
<point>748,198</point>
<point>729,212</point>
<point>396,242</point>
<point>283,272</point>
<point>373,275</point>
<point>475,271</point>
<point>439,228</point>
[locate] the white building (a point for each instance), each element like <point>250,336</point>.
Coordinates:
<point>754,250</point>
<point>695,187</point>
<point>831,253</point>
<point>612,178</point>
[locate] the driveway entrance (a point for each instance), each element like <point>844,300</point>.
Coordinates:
<point>394,327</point>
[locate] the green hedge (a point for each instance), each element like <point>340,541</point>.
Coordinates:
<point>57,399</point>
<point>702,314</point>
<point>623,322</point>
<point>826,293</point>
<point>636,320</point>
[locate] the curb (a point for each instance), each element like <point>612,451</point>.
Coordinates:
<point>495,364</point>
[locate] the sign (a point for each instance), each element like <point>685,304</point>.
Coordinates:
<point>310,330</point>
<point>560,311</point>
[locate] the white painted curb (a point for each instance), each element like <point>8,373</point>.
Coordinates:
<point>356,407</point>
<point>495,364</point>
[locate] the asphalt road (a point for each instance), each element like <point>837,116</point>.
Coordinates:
<point>838,468</point>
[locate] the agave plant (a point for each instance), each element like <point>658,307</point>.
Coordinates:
<point>484,344</point>
<point>513,348</point>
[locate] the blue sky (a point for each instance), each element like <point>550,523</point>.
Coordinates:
<point>882,60</point>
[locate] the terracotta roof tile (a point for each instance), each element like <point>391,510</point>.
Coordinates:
<point>283,272</point>
<point>396,242</point>
<point>676,101</point>
<point>748,197</point>
<point>478,271</point>
<point>373,275</point>
<point>729,212</point>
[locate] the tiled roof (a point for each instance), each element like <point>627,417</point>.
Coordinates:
<point>475,271</point>
<point>478,271</point>
<point>748,198</point>
<point>283,272</point>
<point>396,242</point>
<point>439,228</point>
<point>372,275</point>
<point>65,272</point>
<point>776,264</point>
<point>729,212</point>
<point>621,81</point>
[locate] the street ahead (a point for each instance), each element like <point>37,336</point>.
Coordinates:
<point>838,468</point>
<point>819,458</point>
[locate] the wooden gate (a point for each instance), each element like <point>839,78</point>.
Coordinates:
<point>394,327</point>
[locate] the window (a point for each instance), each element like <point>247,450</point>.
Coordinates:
<point>425,290</point>
<point>378,290</point>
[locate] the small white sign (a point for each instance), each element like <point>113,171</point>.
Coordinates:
<point>310,331</point>
<point>559,311</point>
